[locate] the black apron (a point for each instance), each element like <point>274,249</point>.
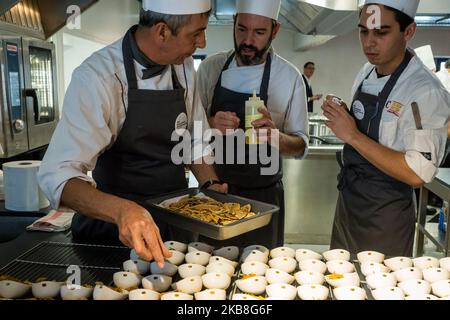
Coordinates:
<point>374,211</point>
<point>139,164</point>
<point>245,179</point>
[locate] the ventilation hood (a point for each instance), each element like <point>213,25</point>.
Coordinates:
<point>38,18</point>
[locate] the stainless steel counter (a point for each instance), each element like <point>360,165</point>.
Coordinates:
<point>310,195</point>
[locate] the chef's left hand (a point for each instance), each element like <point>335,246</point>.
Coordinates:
<point>265,127</point>
<point>222,188</point>
<point>339,120</point>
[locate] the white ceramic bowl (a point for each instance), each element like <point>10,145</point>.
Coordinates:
<point>425,262</point>
<point>189,285</point>
<point>408,273</point>
<point>444,263</point>
<point>312,265</point>
<point>344,280</point>
<point>254,285</point>
<point>370,256</point>
<point>200,246</point>
<point>143,294</point>
<point>435,274</point>
<point>281,291</point>
<point>191,269</point>
<point>421,297</point>
<point>211,294</point>
<point>388,293</point>
<point>197,257</point>
<point>309,277</point>
<point>175,245</point>
<point>286,264</point>
<point>340,266</point>
<point>216,280</point>
<point>313,292</point>
<point>254,255</point>
<point>282,252</point>
<point>349,293</point>
<point>413,287</point>
<point>230,253</point>
<point>46,289</point>
<point>137,266</point>
<point>258,248</point>
<point>278,276</point>
<point>220,267</point>
<point>168,269</point>
<point>177,296</point>
<point>177,257</point>
<point>381,280</point>
<point>223,260</point>
<point>76,292</point>
<point>398,263</point>
<point>157,282</point>
<point>368,268</point>
<point>102,292</point>
<point>306,254</point>
<point>10,289</point>
<point>245,296</point>
<point>441,288</point>
<point>336,254</point>
<point>127,280</point>
<point>254,267</point>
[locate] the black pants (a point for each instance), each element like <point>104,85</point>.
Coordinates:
<point>270,236</point>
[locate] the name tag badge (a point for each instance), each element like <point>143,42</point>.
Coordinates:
<point>358,110</point>
<point>394,108</point>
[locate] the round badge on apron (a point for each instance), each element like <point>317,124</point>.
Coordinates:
<point>358,110</point>
<point>181,123</point>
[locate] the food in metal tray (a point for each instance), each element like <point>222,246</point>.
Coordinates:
<point>210,210</point>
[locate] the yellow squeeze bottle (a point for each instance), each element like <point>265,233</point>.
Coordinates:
<point>252,114</point>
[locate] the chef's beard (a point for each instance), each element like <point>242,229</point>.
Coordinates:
<point>258,58</point>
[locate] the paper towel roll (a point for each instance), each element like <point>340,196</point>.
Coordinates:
<point>22,192</point>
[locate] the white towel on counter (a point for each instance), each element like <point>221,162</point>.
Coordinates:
<point>55,221</point>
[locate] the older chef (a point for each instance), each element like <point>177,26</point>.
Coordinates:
<point>226,80</point>
<point>395,134</point>
<point>120,110</point>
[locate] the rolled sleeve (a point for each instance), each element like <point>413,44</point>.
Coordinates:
<point>80,137</point>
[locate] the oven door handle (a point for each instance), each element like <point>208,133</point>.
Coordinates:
<point>32,93</point>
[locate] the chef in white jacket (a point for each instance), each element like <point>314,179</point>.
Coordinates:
<point>395,134</point>
<point>120,111</point>
<point>227,79</point>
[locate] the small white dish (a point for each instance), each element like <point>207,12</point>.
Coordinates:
<point>349,293</point>
<point>144,294</point>
<point>253,285</point>
<point>176,296</point>
<point>368,268</point>
<point>200,246</point>
<point>197,257</point>
<point>278,276</point>
<point>254,255</point>
<point>254,267</point>
<point>258,248</point>
<point>157,282</point>
<point>309,277</point>
<point>340,266</point>
<point>46,289</point>
<point>343,280</point>
<point>137,266</point>
<point>189,285</point>
<point>444,263</point>
<point>425,262</point>
<point>312,265</point>
<point>421,297</point>
<point>245,296</point>
<point>220,267</point>
<point>177,257</point>
<point>230,253</point>
<point>388,293</point>
<point>73,292</point>
<point>381,280</point>
<point>306,254</point>
<point>168,269</point>
<point>441,288</point>
<point>127,280</point>
<point>414,287</point>
<point>370,256</point>
<point>102,292</point>
<point>211,294</point>
<point>408,273</point>
<point>11,289</point>
<point>216,280</point>
<point>281,291</point>
<point>398,263</point>
<point>435,274</point>
<point>282,252</point>
<point>175,245</point>
<point>191,269</point>
<point>313,292</point>
<point>286,264</point>
<point>223,260</point>
<point>336,254</point>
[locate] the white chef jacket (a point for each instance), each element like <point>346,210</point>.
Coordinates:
<point>397,127</point>
<point>286,94</point>
<point>94,112</point>
<point>444,76</point>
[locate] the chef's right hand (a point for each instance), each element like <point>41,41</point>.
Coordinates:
<point>137,230</point>
<point>225,120</point>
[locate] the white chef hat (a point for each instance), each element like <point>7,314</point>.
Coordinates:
<point>425,53</point>
<point>177,7</point>
<point>266,8</point>
<point>409,7</point>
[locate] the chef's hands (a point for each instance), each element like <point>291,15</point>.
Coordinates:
<point>137,230</point>
<point>339,119</point>
<point>225,120</point>
<point>265,127</point>
<point>316,97</point>
<point>222,188</point>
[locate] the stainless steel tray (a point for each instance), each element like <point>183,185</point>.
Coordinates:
<point>263,210</point>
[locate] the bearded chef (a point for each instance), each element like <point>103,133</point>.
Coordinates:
<point>226,81</point>
<point>120,110</point>
<point>394,134</point>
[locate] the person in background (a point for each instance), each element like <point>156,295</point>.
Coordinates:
<point>308,71</point>
<point>227,79</point>
<point>394,134</point>
<point>120,111</point>
<point>444,75</point>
